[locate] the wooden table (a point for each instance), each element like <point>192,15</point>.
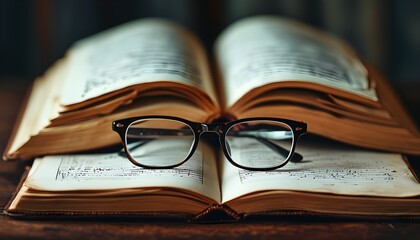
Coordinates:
<point>11,94</point>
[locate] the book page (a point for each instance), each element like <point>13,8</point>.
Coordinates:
<point>262,50</point>
<point>115,171</point>
<point>326,168</point>
<point>41,106</point>
<point>141,51</point>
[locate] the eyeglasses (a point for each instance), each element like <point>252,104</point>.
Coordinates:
<point>159,142</point>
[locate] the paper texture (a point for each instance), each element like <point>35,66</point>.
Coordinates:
<point>264,50</point>
<point>112,171</point>
<point>328,168</point>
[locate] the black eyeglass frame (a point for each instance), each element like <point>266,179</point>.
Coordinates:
<point>121,126</point>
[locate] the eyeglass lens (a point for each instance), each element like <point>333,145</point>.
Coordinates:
<point>259,144</point>
<point>159,142</point>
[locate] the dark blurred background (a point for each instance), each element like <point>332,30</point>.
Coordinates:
<point>386,33</point>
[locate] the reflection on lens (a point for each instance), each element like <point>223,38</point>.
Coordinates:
<point>260,143</point>
<point>159,142</point>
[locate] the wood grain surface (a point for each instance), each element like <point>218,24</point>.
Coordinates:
<point>11,95</point>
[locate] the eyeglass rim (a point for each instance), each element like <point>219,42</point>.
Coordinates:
<point>223,141</point>
<point>192,149</point>
<point>298,129</point>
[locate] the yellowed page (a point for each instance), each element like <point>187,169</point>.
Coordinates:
<point>141,51</point>
<point>325,168</point>
<point>42,106</point>
<point>266,49</point>
<point>114,171</point>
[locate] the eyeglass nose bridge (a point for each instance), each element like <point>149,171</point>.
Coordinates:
<point>210,128</point>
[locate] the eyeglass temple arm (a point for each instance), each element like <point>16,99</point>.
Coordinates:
<point>296,157</point>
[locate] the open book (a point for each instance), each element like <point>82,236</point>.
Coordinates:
<point>264,66</point>
<point>332,180</point>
